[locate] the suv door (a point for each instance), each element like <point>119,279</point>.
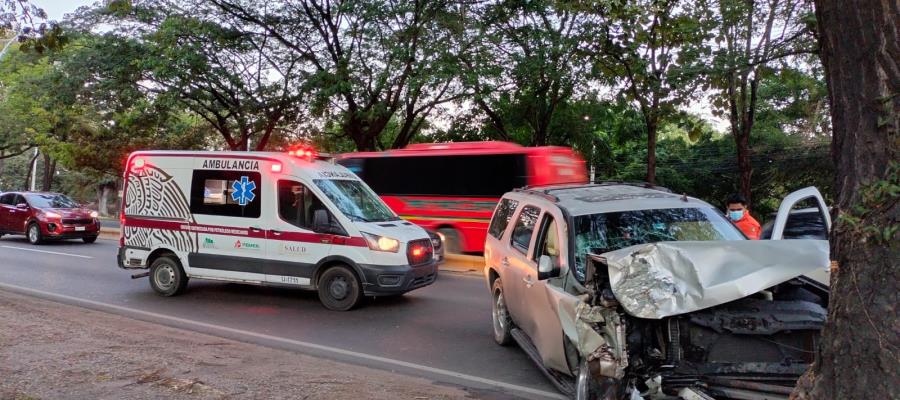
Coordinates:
<point>6,205</point>
<point>519,273</point>
<point>541,298</point>
<point>784,218</point>
<point>18,216</point>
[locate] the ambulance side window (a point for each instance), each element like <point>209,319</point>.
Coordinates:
<point>297,204</point>
<point>226,193</point>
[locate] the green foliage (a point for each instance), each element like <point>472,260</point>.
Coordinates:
<point>873,203</point>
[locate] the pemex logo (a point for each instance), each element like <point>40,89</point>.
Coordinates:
<point>238,244</point>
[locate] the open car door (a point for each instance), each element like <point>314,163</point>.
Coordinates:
<point>804,223</point>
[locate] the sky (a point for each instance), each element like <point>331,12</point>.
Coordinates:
<point>56,9</point>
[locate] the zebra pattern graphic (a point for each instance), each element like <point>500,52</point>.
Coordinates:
<point>152,193</point>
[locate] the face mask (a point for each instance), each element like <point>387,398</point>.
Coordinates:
<point>736,215</point>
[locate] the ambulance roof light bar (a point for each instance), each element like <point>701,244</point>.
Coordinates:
<point>308,153</point>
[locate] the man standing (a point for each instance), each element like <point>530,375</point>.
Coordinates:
<point>737,213</point>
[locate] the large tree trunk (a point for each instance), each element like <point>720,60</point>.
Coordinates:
<point>103,198</point>
<point>859,354</point>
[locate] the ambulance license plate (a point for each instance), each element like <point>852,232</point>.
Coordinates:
<point>79,228</point>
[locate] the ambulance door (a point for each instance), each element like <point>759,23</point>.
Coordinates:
<point>294,248</point>
<point>230,224</point>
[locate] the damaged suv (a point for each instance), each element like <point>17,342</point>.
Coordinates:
<point>623,291</point>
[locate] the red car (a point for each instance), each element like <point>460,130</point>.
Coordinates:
<point>42,216</point>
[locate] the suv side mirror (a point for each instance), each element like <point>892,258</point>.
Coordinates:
<point>22,205</point>
<point>546,270</point>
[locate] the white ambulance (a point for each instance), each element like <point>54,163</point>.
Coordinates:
<point>291,219</point>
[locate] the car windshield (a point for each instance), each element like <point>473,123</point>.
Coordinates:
<point>600,233</point>
<point>356,200</point>
<point>50,201</point>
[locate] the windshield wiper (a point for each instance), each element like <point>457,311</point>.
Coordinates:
<point>357,217</point>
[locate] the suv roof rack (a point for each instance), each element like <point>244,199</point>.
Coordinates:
<point>540,193</point>
<point>645,185</point>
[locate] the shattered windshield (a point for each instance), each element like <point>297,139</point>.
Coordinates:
<point>600,233</point>
<point>355,200</point>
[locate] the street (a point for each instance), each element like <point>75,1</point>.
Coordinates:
<point>441,332</point>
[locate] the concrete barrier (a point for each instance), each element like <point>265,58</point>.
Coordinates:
<point>457,263</point>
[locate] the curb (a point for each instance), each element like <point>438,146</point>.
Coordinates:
<point>457,263</point>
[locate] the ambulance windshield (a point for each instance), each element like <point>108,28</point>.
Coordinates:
<point>356,200</point>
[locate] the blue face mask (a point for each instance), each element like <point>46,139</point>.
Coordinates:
<point>736,215</point>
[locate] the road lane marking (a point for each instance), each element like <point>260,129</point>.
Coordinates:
<point>45,251</point>
<point>296,343</point>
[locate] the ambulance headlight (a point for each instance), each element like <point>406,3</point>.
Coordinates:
<point>381,243</point>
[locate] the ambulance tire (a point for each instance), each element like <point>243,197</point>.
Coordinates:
<point>167,278</point>
<point>339,288</point>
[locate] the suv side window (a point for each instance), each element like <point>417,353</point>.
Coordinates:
<point>502,216</point>
<point>19,199</point>
<point>7,199</point>
<point>524,228</point>
<point>548,241</point>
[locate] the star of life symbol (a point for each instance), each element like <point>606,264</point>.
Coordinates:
<point>243,191</point>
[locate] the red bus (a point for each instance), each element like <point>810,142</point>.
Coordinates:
<point>452,188</point>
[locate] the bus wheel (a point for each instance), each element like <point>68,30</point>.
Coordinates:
<point>339,288</point>
<point>452,241</point>
<point>167,277</point>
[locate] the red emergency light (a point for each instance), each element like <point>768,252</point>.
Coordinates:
<point>303,152</point>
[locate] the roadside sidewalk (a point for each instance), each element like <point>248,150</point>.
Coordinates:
<point>56,351</point>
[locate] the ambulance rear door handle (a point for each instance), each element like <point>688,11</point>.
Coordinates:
<point>325,239</point>
<point>276,233</point>
<point>255,229</point>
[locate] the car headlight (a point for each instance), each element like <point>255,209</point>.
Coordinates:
<point>94,214</point>
<point>381,243</point>
<point>51,214</point>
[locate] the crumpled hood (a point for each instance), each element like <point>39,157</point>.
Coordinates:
<point>669,278</point>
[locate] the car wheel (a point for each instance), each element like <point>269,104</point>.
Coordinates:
<point>34,234</point>
<point>500,315</point>
<point>167,277</point>
<point>452,241</point>
<point>339,288</point>
<point>89,239</point>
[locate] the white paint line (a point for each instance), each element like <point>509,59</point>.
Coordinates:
<point>45,251</point>
<point>329,349</point>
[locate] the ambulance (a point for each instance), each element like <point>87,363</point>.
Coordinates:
<point>292,219</point>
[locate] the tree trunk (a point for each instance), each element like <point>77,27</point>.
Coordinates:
<point>651,152</point>
<point>860,346</point>
<point>49,170</point>
<point>103,199</point>
<point>745,167</point>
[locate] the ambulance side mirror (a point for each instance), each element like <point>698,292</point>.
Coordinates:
<point>323,224</point>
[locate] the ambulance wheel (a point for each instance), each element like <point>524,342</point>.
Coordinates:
<point>34,234</point>
<point>339,288</point>
<point>89,239</point>
<point>167,277</point>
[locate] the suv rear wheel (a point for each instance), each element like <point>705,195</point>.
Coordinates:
<point>500,315</point>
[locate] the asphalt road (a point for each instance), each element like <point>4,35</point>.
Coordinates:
<point>441,332</point>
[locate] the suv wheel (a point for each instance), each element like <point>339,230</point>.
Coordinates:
<point>500,315</point>
<point>34,234</point>
<point>339,288</point>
